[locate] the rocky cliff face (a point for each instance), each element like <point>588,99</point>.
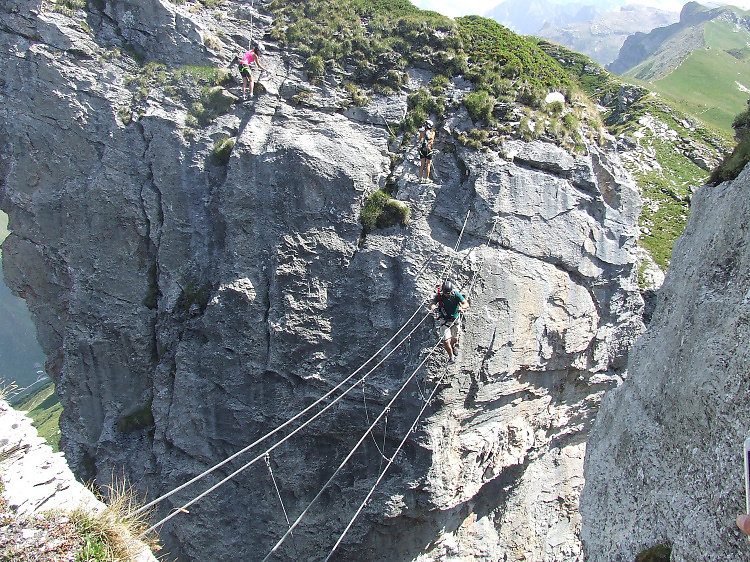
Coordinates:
<point>664,461</point>
<point>190,304</point>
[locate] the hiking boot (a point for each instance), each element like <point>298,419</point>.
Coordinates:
<point>452,360</point>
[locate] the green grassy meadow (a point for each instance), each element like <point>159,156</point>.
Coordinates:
<point>44,408</point>
<point>706,84</point>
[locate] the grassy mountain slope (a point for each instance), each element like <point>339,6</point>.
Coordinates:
<point>44,408</point>
<point>712,80</point>
<point>20,354</point>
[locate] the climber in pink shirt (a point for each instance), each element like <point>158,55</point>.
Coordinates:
<point>252,56</point>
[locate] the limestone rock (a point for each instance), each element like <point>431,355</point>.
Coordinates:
<point>188,306</point>
<point>664,460</point>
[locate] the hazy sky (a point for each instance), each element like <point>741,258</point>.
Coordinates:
<point>455,8</point>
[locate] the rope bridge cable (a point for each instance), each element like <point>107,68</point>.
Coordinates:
<point>303,412</point>
<point>406,436</point>
<point>388,465</point>
<point>282,426</point>
<point>455,248</point>
<point>183,509</point>
<point>278,493</point>
<point>351,453</point>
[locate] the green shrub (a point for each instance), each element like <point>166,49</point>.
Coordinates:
<point>358,97</point>
<point>480,105</point>
<point>555,108</point>
<point>222,151</point>
<point>315,66</point>
<point>126,115</point>
<point>394,212</point>
<point>732,165</point>
<point>570,122</point>
<point>381,211</point>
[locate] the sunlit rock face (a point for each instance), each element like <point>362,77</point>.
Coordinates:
<point>664,461</point>
<point>189,304</point>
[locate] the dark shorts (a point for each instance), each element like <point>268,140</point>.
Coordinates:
<point>426,155</point>
<point>245,72</point>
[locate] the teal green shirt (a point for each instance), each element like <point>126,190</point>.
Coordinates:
<point>450,304</point>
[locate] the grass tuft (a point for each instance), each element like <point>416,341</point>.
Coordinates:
<point>115,533</point>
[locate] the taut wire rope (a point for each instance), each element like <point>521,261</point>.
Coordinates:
<point>282,426</point>
<point>388,464</point>
<point>303,412</point>
<point>351,453</point>
<point>183,509</point>
<point>411,429</point>
<point>278,493</point>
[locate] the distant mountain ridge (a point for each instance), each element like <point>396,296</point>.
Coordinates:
<point>701,63</point>
<point>669,45</point>
<point>602,36</point>
<point>529,16</point>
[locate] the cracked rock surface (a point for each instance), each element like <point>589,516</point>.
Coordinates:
<point>664,460</point>
<point>188,306</point>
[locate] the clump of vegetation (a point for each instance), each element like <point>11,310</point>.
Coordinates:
<point>359,98</point>
<point>222,151</point>
<point>67,7</point>
<point>115,533</point>
<point>733,164</point>
<point>658,553</point>
<point>480,105</point>
<point>381,211</point>
<point>138,419</point>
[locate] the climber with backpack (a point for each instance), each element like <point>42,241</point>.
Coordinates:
<point>251,56</point>
<point>450,304</point>
<point>426,138</point>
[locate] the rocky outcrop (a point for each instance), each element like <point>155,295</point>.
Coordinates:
<point>36,484</point>
<point>664,460</point>
<point>190,304</point>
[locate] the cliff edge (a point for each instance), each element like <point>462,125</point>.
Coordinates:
<point>664,459</point>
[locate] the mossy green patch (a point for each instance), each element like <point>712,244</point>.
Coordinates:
<point>222,151</point>
<point>658,553</point>
<point>381,211</point>
<point>136,420</point>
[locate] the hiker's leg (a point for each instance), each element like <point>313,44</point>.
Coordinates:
<point>448,348</point>
<point>252,85</point>
<point>447,341</point>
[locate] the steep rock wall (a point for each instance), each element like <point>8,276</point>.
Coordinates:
<point>189,307</point>
<point>664,461</point>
